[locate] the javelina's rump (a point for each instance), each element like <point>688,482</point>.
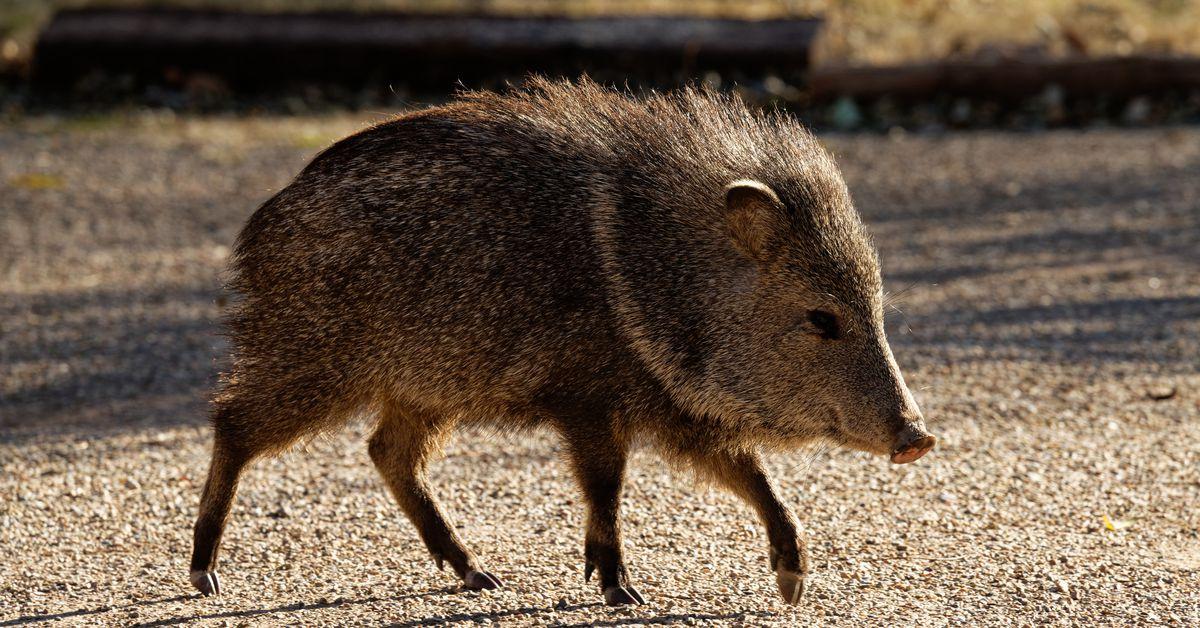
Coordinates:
<point>677,270</point>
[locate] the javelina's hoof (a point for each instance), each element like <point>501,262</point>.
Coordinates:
<point>480,581</point>
<point>791,585</point>
<point>206,582</point>
<point>620,596</point>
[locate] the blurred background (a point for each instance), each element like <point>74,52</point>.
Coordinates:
<point>1029,169</point>
<point>847,64</point>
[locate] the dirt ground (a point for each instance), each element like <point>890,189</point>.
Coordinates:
<point>1050,330</point>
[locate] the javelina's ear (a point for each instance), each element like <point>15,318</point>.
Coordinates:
<point>754,214</point>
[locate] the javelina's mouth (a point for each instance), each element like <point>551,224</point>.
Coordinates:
<point>843,438</point>
<point>913,449</point>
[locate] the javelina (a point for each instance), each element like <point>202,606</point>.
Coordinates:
<point>676,269</point>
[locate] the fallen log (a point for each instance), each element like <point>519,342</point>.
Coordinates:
<point>251,51</point>
<point>1009,80</point>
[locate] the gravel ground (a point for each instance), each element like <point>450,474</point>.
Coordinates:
<point>1051,293</point>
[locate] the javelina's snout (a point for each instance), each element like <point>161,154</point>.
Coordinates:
<point>912,442</point>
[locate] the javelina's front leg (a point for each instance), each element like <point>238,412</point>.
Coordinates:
<point>598,460</point>
<point>742,473</point>
<point>401,446</point>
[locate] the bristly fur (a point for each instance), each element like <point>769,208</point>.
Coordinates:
<point>564,255</point>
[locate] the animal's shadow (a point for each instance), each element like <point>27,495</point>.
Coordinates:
<point>459,618</point>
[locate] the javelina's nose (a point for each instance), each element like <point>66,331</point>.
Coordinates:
<point>911,443</point>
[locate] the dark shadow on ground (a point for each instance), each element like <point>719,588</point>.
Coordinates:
<point>289,608</point>
<point>1141,330</point>
<point>1114,232</point>
<point>300,607</point>
<point>1060,248</point>
<point>110,360</point>
<point>673,618</point>
<point>183,619</point>
<point>84,613</point>
<point>881,203</point>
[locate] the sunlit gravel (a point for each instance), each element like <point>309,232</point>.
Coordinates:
<point>1048,322</point>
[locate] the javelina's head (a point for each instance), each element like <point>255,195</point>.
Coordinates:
<point>742,273</point>
<point>809,345</point>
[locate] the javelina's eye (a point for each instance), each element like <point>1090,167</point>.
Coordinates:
<point>823,324</point>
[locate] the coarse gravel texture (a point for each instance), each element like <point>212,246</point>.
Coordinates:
<point>1050,293</point>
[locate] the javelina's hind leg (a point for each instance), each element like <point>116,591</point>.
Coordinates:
<point>743,474</point>
<point>228,460</point>
<point>400,448</point>
<point>598,459</point>
<point>244,428</point>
